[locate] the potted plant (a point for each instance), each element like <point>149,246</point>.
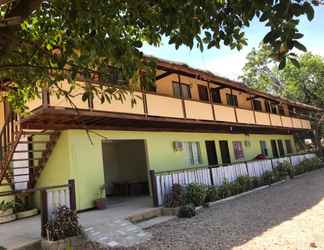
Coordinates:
<point>6,211</point>
<point>101,202</point>
<point>24,207</point>
<point>63,231</point>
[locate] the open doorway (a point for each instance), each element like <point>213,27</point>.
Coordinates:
<point>125,168</point>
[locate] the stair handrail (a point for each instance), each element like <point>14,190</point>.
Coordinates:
<point>9,139</point>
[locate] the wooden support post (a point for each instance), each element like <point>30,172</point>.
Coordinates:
<point>144,103</point>
<point>272,164</point>
<point>253,108</point>
<point>247,169</point>
<point>72,195</point>
<point>234,105</point>
<point>182,100</point>
<point>210,100</point>
<point>45,98</point>
<point>211,176</point>
<point>154,188</point>
<point>44,212</point>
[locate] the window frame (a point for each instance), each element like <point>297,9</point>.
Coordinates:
<point>257,107</point>
<point>205,95</point>
<point>180,87</point>
<point>232,100</point>
<point>238,150</point>
<point>215,95</point>
<point>264,148</point>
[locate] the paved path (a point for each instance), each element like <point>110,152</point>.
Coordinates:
<point>282,217</point>
<point>108,227</point>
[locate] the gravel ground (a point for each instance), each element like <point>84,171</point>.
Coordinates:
<point>285,216</point>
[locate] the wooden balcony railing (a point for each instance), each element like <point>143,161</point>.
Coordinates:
<point>157,105</point>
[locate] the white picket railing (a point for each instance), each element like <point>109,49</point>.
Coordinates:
<point>216,176</point>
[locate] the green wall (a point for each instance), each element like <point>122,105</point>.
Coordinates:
<point>76,156</point>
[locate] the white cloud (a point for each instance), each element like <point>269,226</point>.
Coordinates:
<point>229,65</point>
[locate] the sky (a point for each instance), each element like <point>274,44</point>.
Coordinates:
<point>229,63</point>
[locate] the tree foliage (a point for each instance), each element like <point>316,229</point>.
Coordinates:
<point>44,42</point>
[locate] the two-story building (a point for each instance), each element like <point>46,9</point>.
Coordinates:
<point>193,118</point>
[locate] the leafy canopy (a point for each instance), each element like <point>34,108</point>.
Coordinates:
<point>44,42</point>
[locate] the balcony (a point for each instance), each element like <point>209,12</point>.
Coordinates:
<point>161,108</point>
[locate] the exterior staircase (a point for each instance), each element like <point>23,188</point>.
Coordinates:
<point>24,153</point>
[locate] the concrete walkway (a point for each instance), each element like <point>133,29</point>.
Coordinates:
<point>108,227</point>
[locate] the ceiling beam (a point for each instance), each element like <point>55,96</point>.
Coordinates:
<point>165,74</point>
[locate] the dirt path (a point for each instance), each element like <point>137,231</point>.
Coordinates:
<point>286,216</point>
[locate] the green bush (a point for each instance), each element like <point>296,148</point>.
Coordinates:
<point>225,190</point>
<point>308,165</point>
<point>212,194</point>
<point>176,197</point>
<point>255,182</point>
<point>291,171</point>
<point>196,194</point>
<point>186,211</point>
<point>282,169</point>
<point>267,178</point>
<point>5,205</point>
<point>245,183</point>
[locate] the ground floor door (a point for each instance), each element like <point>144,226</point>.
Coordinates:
<point>211,152</point>
<point>274,149</point>
<point>225,152</point>
<point>125,167</point>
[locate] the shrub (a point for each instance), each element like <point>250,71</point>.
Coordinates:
<point>245,183</point>
<point>267,178</point>
<point>65,224</point>
<point>291,171</point>
<point>5,205</point>
<point>282,169</point>
<point>308,165</point>
<point>255,182</point>
<point>212,194</point>
<point>225,189</point>
<point>186,211</point>
<point>176,197</point>
<point>196,194</point>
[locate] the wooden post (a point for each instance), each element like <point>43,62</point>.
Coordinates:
<point>72,194</point>
<point>154,188</point>
<point>247,169</point>
<point>231,91</point>
<point>271,164</point>
<point>252,105</point>
<point>45,98</point>
<point>144,103</point>
<point>44,212</point>
<point>210,100</point>
<point>182,100</point>
<point>211,176</point>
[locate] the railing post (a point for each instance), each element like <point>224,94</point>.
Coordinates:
<point>272,164</point>
<point>247,169</point>
<point>72,194</point>
<point>44,212</point>
<point>154,188</point>
<point>211,175</point>
<point>45,98</point>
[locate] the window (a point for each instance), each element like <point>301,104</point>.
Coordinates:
<point>238,150</point>
<point>192,150</point>
<point>231,100</point>
<point>264,149</point>
<point>281,110</point>
<point>257,105</point>
<point>274,149</point>
<point>281,148</point>
<point>274,109</point>
<point>215,95</point>
<point>181,90</point>
<point>288,147</point>
<point>203,93</point>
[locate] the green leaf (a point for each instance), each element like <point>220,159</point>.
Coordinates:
<point>282,63</point>
<point>299,46</point>
<point>309,11</point>
<point>295,62</point>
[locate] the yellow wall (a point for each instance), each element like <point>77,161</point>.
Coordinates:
<point>76,157</point>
